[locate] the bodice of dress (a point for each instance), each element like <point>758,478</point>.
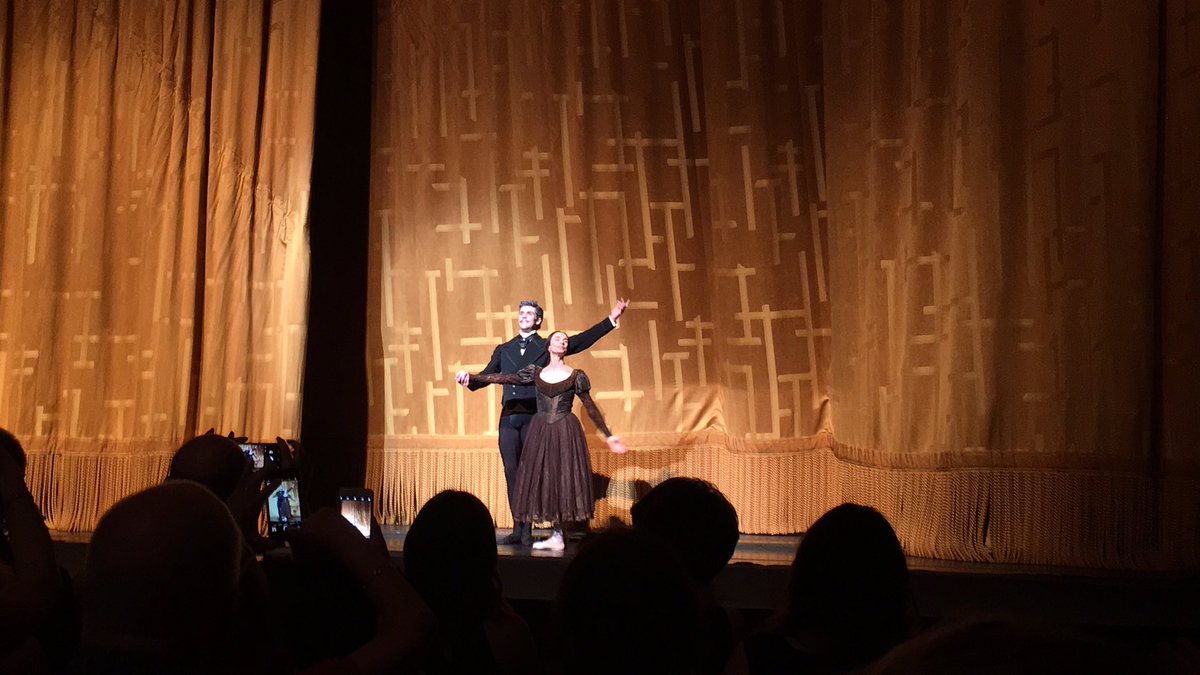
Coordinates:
<point>555,400</point>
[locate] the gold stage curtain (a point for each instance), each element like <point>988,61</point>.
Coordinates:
<point>928,256</point>
<point>154,169</point>
<point>1013,198</point>
<point>574,153</point>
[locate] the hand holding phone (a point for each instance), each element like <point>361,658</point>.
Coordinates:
<point>276,464</point>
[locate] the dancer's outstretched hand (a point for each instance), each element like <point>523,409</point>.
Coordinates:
<point>617,445</point>
<point>462,377</point>
<point>618,309</point>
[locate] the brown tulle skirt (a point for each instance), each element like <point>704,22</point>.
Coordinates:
<point>554,478</point>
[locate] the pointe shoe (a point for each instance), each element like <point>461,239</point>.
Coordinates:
<point>553,543</point>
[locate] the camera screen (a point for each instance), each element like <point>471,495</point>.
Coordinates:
<point>257,453</point>
<point>357,505</point>
<point>283,507</point>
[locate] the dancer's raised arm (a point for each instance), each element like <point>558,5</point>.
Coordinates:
<point>582,341</point>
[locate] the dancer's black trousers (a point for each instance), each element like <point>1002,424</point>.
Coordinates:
<point>512,438</point>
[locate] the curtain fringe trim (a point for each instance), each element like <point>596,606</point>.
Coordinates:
<point>1034,516</point>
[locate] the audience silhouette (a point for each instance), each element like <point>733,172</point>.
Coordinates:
<point>848,599</point>
<point>34,608</point>
<point>450,558</point>
<point>699,522</point>
<point>171,585</point>
<point>627,605</point>
<point>212,460</point>
<point>161,584</point>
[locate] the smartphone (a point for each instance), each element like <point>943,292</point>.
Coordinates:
<point>358,505</point>
<point>283,507</point>
<point>257,453</point>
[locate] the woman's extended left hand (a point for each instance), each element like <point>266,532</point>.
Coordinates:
<point>617,445</point>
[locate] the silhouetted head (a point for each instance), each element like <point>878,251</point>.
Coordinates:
<point>626,606</point>
<point>450,557</point>
<point>162,575</point>
<point>214,461</point>
<point>9,444</point>
<point>694,517</point>
<point>850,580</point>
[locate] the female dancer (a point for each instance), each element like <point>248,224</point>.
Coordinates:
<point>554,479</point>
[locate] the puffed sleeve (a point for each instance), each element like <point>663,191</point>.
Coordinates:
<point>583,389</point>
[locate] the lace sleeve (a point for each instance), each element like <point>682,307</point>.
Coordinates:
<point>583,388</point>
<point>523,376</point>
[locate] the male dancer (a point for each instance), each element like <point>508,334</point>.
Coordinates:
<point>520,401</point>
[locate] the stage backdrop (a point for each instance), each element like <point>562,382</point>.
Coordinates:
<point>154,169</point>
<point>931,257</point>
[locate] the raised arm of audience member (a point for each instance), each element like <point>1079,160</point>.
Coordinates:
<point>27,598</point>
<point>404,624</point>
<point>246,500</point>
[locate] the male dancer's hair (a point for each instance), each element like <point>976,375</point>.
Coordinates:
<point>534,304</point>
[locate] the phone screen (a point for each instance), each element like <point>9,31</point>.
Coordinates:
<point>258,453</point>
<point>358,505</point>
<point>283,507</point>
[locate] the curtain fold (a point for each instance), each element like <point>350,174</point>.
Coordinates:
<point>996,264</point>
<point>114,161</point>
<point>257,261</point>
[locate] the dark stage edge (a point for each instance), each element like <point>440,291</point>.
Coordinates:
<point>757,579</point>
